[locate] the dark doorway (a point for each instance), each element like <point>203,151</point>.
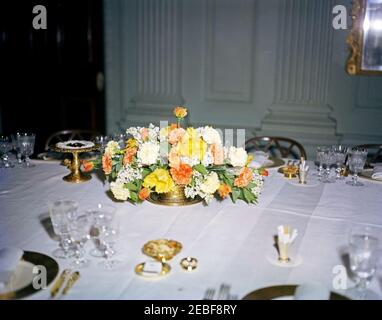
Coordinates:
<point>51,79</point>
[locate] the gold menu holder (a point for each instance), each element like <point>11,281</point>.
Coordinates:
<point>76,175</point>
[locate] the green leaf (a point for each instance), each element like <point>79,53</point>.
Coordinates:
<point>200,168</point>
<point>131,186</point>
<point>145,172</point>
<point>235,194</point>
<point>133,196</point>
<point>249,197</point>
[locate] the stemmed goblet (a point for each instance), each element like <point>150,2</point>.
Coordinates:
<point>328,159</point>
<point>357,159</point>
<point>319,158</point>
<point>5,147</point>
<point>340,153</point>
<point>79,229</point>
<point>363,245</point>
<point>16,147</point>
<point>26,144</point>
<point>61,212</point>
<point>108,235</point>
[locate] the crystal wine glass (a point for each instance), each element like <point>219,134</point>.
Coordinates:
<point>340,155</point>
<point>61,211</point>
<point>5,147</point>
<point>102,141</point>
<point>319,158</point>
<point>363,245</point>
<point>108,236</point>
<point>26,143</point>
<point>357,159</point>
<point>79,229</point>
<point>16,147</point>
<point>328,159</point>
<point>102,215</point>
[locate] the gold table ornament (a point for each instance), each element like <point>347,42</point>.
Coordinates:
<point>162,249</point>
<point>189,263</point>
<point>175,198</point>
<point>76,175</point>
<point>139,270</point>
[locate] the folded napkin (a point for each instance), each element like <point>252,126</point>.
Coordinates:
<point>377,173</point>
<point>312,291</point>
<point>260,158</point>
<point>9,258</point>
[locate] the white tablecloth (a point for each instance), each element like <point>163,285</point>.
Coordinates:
<point>231,241</point>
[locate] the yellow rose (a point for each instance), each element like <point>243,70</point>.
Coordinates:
<point>159,179</point>
<point>180,112</point>
<point>131,143</point>
<point>191,145</point>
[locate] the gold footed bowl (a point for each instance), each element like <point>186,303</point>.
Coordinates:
<point>175,198</point>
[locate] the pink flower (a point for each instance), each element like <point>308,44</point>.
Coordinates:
<point>217,153</point>
<point>176,135</point>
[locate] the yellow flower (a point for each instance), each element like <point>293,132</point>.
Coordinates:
<point>131,143</point>
<point>159,179</point>
<point>180,112</point>
<point>191,145</point>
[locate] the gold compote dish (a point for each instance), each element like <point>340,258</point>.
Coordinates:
<point>75,147</point>
<point>162,250</point>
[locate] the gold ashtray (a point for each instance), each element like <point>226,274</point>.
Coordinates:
<point>289,172</point>
<point>162,249</point>
<point>139,270</point>
<point>189,263</point>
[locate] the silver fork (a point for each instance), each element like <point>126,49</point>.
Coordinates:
<point>209,295</point>
<point>224,292</point>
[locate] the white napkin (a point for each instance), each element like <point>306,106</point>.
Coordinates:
<point>9,258</point>
<point>259,159</point>
<point>312,291</point>
<point>377,173</point>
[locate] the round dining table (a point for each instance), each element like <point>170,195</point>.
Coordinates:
<point>234,243</point>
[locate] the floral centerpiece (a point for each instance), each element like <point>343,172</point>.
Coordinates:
<point>190,163</point>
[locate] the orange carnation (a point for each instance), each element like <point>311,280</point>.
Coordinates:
<point>265,173</point>
<point>244,178</point>
<point>180,112</point>
<point>144,194</point>
<point>129,154</point>
<point>107,163</point>
<point>224,190</point>
<point>87,165</point>
<point>217,153</point>
<point>182,174</point>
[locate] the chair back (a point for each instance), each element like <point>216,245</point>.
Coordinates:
<point>280,147</point>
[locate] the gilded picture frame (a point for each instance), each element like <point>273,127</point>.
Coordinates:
<point>365,38</point>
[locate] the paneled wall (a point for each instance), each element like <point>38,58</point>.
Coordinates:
<point>268,66</point>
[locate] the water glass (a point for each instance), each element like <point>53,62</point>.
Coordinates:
<point>102,215</point>
<point>328,159</point>
<point>16,147</point>
<point>363,245</point>
<point>61,212</point>
<point>102,141</point>
<point>5,147</point>
<point>340,155</point>
<point>319,158</point>
<point>79,229</point>
<point>26,144</point>
<point>357,159</point>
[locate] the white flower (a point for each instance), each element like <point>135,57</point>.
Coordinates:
<point>211,184</point>
<point>208,159</point>
<point>210,135</point>
<point>148,153</point>
<point>237,156</point>
<point>119,191</point>
<point>111,148</point>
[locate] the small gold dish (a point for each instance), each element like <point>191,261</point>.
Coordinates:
<point>189,263</point>
<point>140,267</point>
<point>162,249</point>
<point>289,172</point>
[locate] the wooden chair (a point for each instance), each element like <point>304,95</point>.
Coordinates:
<point>66,135</point>
<point>276,147</point>
<point>374,153</point>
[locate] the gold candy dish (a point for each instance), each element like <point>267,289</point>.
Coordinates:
<point>162,249</point>
<point>21,282</point>
<point>282,292</point>
<point>289,171</point>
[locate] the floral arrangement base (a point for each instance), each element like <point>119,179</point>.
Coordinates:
<point>175,198</point>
